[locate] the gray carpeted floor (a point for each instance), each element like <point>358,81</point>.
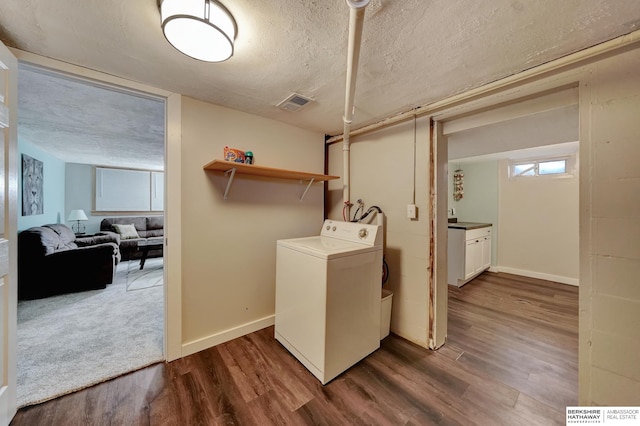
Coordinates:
<point>69,342</point>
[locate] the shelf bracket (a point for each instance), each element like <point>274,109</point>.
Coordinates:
<point>232,173</point>
<point>307,189</point>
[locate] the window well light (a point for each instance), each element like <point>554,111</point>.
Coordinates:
<point>201,29</point>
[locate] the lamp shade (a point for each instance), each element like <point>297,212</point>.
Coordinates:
<point>202,29</point>
<point>77,215</point>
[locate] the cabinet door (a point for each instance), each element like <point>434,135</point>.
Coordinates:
<point>470,258</point>
<point>486,253</point>
<point>478,252</point>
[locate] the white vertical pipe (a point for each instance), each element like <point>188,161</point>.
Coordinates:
<point>356,20</point>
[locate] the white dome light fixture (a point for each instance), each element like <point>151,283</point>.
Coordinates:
<point>201,29</point>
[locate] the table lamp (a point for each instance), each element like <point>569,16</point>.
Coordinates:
<point>77,215</point>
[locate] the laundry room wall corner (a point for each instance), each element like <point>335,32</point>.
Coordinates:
<point>229,246</point>
<point>390,169</point>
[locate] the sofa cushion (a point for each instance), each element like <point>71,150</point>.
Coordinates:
<point>129,245</point>
<point>154,233</point>
<point>65,234</point>
<point>39,241</point>
<point>140,222</point>
<point>98,239</point>
<point>127,232</point>
<point>155,222</point>
<point>155,227</point>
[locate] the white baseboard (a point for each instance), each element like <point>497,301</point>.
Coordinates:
<point>224,336</point>
<point>539,275</point>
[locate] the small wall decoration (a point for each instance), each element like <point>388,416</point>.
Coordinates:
<point>458,185</point>
<point>32,181</point>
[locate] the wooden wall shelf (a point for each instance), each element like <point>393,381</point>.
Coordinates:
<point>230,168</point>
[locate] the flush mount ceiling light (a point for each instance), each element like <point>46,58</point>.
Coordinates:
<point>202,29</point>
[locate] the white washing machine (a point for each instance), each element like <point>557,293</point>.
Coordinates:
<point>328,296</point>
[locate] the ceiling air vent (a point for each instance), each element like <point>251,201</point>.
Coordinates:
<point>294,102</point>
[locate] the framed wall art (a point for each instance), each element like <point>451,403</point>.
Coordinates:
<point>32,184</point>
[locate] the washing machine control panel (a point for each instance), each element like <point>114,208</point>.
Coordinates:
<point>352,231</point>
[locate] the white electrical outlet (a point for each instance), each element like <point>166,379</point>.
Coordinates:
<point>411,211</point>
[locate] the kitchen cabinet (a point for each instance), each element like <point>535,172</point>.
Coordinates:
<point>476,259</point>
<point>469,252</point>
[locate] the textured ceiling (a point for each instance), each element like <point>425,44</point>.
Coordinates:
<point>414,51</point>
<point>79,122</point>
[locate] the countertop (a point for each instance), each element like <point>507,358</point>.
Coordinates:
<point>468,225</point>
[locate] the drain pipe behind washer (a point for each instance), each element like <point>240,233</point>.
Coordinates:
<point>356,21</point>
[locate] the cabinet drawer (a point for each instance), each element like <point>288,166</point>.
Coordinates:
<point>478,233</point>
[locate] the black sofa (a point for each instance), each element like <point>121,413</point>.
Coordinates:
<point>52,260</point>
<point>148,228</point>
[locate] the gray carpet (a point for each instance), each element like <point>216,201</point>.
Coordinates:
<point>150,276</point>
<point>69,342</point>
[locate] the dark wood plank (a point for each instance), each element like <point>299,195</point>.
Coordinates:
<point>510,358</point>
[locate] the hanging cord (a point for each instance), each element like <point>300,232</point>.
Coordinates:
<point>385,265</point>
<point>355,215</point>
<point>385,270</point>
<point>346,206</point>
<point>367,213</point>
<point>360,207</point>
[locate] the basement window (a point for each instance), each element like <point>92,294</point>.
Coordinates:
<point>562,166</point>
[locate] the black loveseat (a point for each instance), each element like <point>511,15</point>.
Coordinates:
<point>51,261</point>
<point>147,227</point>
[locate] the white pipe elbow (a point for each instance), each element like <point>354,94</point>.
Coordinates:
<point>358,4</point>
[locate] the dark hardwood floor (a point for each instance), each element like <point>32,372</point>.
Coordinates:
<point>510,359</point>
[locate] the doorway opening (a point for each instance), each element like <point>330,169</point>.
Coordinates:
<point>76,126</point>
<point>506,177</point>
<point>482,148</point>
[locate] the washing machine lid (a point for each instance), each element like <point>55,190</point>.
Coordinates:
<point>327,247</point>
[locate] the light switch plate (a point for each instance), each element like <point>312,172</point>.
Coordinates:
<point>411,211</point>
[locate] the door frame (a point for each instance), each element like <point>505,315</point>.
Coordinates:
<point>172,175</point>
<point>8,240</point>
<point>514,93</point>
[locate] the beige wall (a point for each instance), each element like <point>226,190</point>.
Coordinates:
<point>229,246</point>
<point>382,174</point>
<point>538,226</point>
<point>610,227</point>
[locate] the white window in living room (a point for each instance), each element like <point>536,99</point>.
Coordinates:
<point>127,190</point>
<point>559,166</point>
